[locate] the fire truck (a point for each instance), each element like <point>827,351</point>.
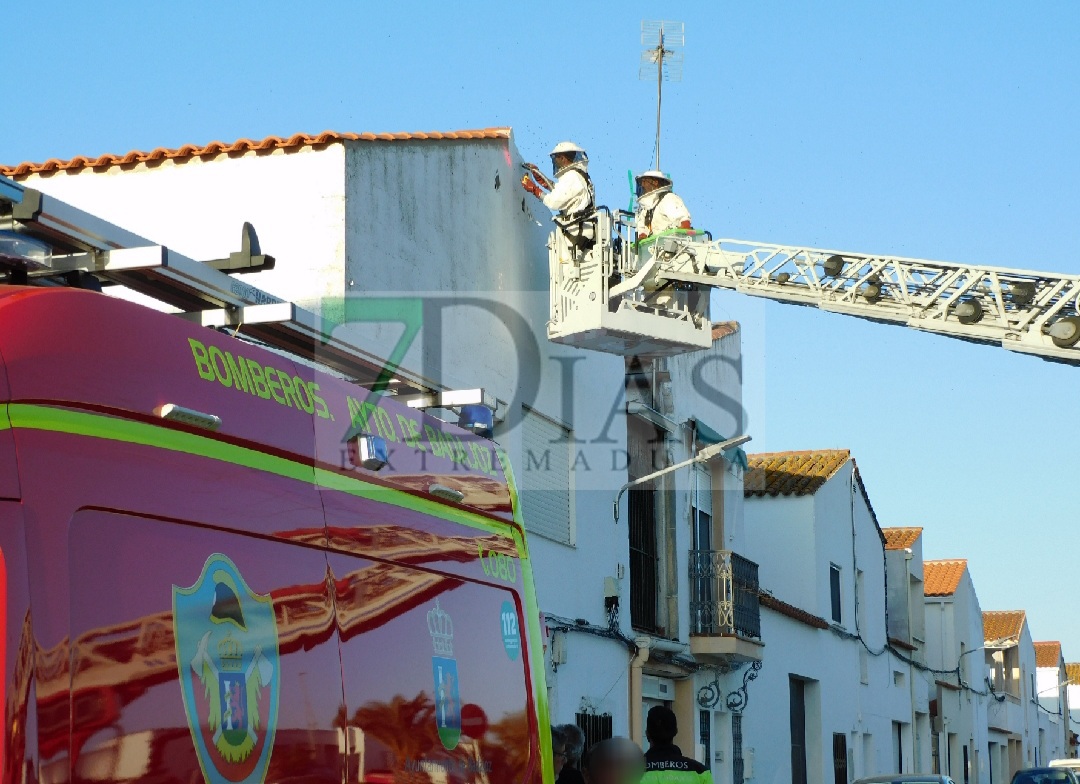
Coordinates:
<point>224,555</point>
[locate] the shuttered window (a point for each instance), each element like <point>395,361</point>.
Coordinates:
<point>546,479</point>
<point>703,486</point>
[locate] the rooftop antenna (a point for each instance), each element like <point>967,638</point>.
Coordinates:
<point>663,42</point>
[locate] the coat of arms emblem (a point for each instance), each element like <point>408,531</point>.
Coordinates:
<point>444,670</point>
<point>227,657</point>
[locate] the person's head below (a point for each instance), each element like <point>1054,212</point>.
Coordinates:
<point>558,749</point>
<point>614,761</point>
<point>661,726</point>
<point>574,743</point>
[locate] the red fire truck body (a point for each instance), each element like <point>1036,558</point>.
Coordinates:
<point>236,600</point>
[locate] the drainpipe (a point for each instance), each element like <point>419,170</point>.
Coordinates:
<point>637,719</point>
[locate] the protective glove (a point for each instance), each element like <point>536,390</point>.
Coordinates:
<point>531,187</point>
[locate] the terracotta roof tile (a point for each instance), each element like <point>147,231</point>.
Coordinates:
<point>1048,654</point>
<point>792,473</point>
<point>791,611</point>
<point>721,329</point>
<point>942,578</point>
<point>1003,624</point>
<point>1072,672</point>
<point>239,147</point>
<point>900,538</point>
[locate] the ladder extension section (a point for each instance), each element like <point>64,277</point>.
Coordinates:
<point>84,245</point>
<point>1021,310</point>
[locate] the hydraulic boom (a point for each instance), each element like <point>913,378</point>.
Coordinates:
<point>662,283</point>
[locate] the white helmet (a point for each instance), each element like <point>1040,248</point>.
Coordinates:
<point>652,174</point>
<point>578,158</point>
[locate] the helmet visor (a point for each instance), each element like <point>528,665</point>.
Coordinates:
<point>560,160</point>
<point>655,182</point>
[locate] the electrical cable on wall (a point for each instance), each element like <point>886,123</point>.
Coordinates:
<point>889,647</point>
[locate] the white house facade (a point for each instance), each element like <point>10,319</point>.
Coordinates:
<point>831,703</point>
<point>1012,709</point>
<point>1051,691</point>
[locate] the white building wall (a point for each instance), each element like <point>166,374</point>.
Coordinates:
<point>706,385</point>
<point>907,631</point>
<point>295,200</point>
<point>1053,713</point>
<point>954,626</point>
<point>796,540</point>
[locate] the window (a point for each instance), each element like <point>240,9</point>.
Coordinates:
<point>546,478</point>
<point>705,732</point>
<point>898,746</point>
<point>642,442</point>
<point>595,726</point>
<point>834,588</point>
<point>702,509</point>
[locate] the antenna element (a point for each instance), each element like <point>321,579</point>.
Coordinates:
<point>663,42</point>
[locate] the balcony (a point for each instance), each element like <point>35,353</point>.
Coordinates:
<point>725,617</point>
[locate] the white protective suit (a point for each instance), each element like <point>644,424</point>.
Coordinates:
<point>570,195</point>
<point>659,211</point>
<point>571,198</point>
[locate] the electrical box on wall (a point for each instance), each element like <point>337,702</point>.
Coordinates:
<point>611,588</point>
<point>654,688</point>
<point>611,594</point>
<point>558,648</point>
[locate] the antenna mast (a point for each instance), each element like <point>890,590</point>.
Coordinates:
<point>663,42</point>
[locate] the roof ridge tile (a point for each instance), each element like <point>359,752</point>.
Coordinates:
<point>215,148</point>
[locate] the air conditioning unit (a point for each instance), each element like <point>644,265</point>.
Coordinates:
<point>654,688</point>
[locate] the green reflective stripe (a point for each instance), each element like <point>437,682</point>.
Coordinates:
<point>79,423</point>
<point>532,611</point>
<point>676,777</point>
<point>59,420</point>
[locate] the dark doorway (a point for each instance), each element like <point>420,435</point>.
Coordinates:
<point>798,730</point>
<point>839,758</point>
<point>738,767</point>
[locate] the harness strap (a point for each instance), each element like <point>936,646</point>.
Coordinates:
<point>649,212</point>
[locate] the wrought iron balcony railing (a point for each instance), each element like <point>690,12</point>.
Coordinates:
<point>724,594</point>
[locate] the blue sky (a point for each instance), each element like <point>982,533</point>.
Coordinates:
<point>925,129</point>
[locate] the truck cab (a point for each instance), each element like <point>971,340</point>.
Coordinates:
<point>202,580</point>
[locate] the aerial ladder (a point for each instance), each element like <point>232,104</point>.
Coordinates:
<point>651,298</point>
<point>46,242</point>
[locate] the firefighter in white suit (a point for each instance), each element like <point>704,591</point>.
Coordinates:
<point>571,197</point>
<point>658,208</point>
